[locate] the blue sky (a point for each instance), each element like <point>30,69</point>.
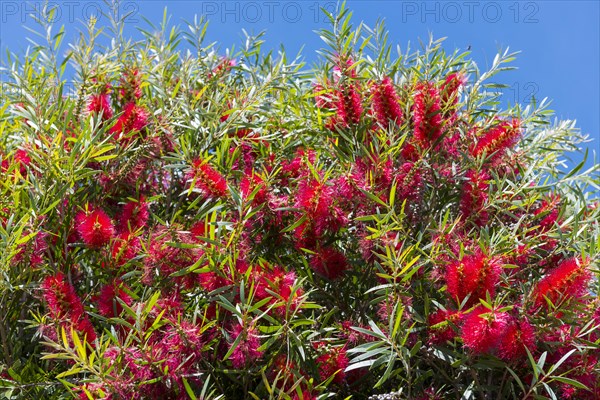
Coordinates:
<point>559,41</point>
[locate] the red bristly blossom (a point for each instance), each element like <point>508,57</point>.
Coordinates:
<point>100,104</point>
<point>427,118</point>
<point>474,196</point>
<point>133,119</point>
<point>440,326</point>
<point>475,275</point>
<point>496,140</point>
<point>246,351</point>
<point>329,262</point>
<point>569,279</point>
<point>386,103</point>
<point>60,297</point>
<point>107,299</point>
<point>207,179</point>
<point>134,215</point>
<point>94,227</point>
<point>450,87</point>
<point>333,361</point>
<point>519,336</point>
<point>482,329</point>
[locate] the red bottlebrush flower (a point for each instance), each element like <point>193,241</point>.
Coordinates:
<point>317,201</point>
<point>474,196</point>
<point>385,308</point>
<point>410,152</point>
<point>482,329</point>
<point>133,119</point>
<point>440,326</point>
<point>350,335</point>
<point>519,335</point>
<point>100,104</point>
<point>94,227</point>
<point>450,87</point>
<point>334,361</point>
<point>348,105</point>
<point>281,283</point>
<point>180,348</point>
<point>199,229</point>
<point>22,158</point>
<point>125,247</point>
<point>254,182</point>
<point>569,279</point>
<point>347,98</point>
<point>283,372</point>
<point>211,281</point>
<point>246,352</point>
<point>107,299</point>
<point>61,298</point>
<point>427,118</point>
<point>329,262</point>
<point>386,103</point>
<point>134,216</point>
<point>85,328</point>
<point>343,68</point>
<point>208,180</point>
<point>299,164</point>
<point>474,275</point>
<point>494,142</point>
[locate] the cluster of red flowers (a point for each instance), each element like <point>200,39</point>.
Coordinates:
<point>66,307</point>
<point>244,244</point>
<point>95,228</point>
<point>207,179</point>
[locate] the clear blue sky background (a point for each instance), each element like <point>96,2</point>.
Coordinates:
<point>559,40</point>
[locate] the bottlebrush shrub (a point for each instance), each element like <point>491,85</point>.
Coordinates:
<point>190,225</point>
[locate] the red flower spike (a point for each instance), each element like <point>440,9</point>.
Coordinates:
<point>207,179</point>
<point>107,299</point>
<point>519,335</point>
<point>450,87</point>
<point>317,201</point>
<point>474,275</point>
<point>474,196</point>
<point>386,103</point>
<point>322,97</point>
<point>495,141</point>
<point>427,118</point>
<point>330,263</point>
<point>94,227</point>
<point>100,104</point>
<point>60,297</point>
<point>20,159</point>
<point>440,333</point>
<point>125,247</point>
<point>246,352</point>
<point>569,279</point>
<point>134,216</point>
<point>334,361</point>
<point>131,85</point>
<point>251,183</point>
<point>482,329</point>
<point>133,119</point>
